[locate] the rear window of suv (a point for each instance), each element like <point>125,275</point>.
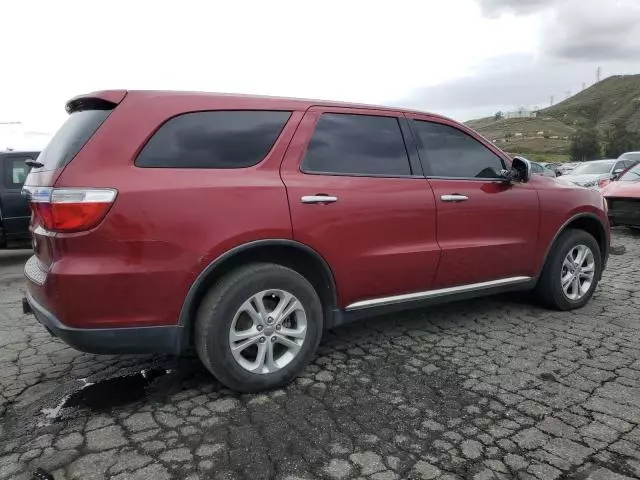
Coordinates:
<point>71,137</point>
<point>219,139</point>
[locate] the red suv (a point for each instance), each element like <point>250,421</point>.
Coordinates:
<point>244,226</point>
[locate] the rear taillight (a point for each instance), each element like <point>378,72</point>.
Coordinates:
<point>69,209</point>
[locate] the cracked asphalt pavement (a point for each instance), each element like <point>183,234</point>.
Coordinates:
<point>484,389</point>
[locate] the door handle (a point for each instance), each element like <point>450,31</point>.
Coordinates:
<point>455,197</point>
<point>318,199</point>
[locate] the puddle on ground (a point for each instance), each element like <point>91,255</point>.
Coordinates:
<point>105,394</point>
<point>115,391</point>
<point>102,394</point>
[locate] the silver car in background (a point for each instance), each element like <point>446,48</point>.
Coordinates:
<point>567,168</point>
<point>589,174</point>
<point>540,169</point>
<point>634,157</point>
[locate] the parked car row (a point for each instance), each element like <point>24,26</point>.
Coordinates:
<point>591,174</point>
<point>588,172</point>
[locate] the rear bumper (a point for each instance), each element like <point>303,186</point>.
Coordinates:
<point>161,339</point>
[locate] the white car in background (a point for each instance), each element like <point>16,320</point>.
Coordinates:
<point>567,168</point>
<point>589,174</point>
<point>634,157</point>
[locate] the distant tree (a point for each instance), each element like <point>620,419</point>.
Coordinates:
<point>585,145</point>
<point>620,139</point>
<point>498,115</point>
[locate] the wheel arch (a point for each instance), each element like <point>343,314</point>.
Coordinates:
<point>289,253</point>
<point>590,223</point>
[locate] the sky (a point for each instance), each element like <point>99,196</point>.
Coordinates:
<point>462,58</point>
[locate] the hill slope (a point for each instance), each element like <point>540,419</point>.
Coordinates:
<point>614,98</point>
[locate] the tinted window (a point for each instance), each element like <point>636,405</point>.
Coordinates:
<point>620,166</point>
<point>221,139</point>
<point>16,171</point>
<point>536,168</point>
<point>357,144</point>
<point>71,137</point>
<point>452,153</point>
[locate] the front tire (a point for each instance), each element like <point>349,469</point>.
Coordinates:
<point>258,327</point>
<point>571,272</point>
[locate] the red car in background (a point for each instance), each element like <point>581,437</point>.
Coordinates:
<point>623,198</point>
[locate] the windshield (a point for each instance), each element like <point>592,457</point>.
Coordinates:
<point>632,175</point>
<point>630,156</point>
<point>593,168</point>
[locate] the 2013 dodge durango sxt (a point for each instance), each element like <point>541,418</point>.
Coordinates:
<point>244,225</point>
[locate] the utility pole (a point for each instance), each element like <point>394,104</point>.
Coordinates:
<point>598,74</point>
<point>551,101</point>
<point>568,92</point>
<point>584,85</point>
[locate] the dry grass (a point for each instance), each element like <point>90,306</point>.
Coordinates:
<point>614,98</point>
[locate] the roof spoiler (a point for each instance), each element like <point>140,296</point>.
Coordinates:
<point>103,100</point>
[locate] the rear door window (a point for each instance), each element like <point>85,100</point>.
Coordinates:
<point>348,144</point>
<point>219,139</point>
<point>71,137</point>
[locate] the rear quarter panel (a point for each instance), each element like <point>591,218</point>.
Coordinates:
<point>166,225</point>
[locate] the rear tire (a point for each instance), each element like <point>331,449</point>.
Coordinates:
<point>557,287</point>
<point>249,347</point>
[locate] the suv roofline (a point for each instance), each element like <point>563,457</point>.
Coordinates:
<point>116,96</point>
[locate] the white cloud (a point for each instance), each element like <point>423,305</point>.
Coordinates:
<point>575,37</point>
<point>368,51</point>
<point>437,55</point>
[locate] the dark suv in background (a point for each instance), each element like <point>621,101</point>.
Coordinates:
<point>14,208</point>
<point>244,225</point>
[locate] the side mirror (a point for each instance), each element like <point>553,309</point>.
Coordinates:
<point>520,171</point>
<point>617,173</point>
